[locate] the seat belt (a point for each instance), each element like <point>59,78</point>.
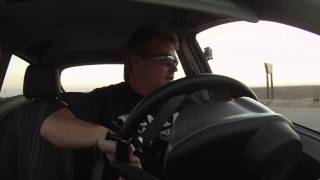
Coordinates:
<point>150,133</point>
<point>165,113</point>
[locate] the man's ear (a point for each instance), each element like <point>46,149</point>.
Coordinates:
<point>132,61</point>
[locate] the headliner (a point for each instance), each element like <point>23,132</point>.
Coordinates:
<point>79,31</point>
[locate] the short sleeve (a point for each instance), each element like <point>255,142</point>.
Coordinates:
<point>87,108</point>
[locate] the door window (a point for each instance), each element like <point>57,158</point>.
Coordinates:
<point>13,81</point>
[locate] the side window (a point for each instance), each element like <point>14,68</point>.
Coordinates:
<point>180,72</point>
<point>240,50</point>
<point>88,77</point>
<point>13,81</point>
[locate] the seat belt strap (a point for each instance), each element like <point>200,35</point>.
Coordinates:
<point>164,115</point>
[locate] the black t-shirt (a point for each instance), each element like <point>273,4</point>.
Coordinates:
<point>107,106</point>
<point>110,106</point>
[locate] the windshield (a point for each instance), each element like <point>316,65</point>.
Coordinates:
<point>267,54</point>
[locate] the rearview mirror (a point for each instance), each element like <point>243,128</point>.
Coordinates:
<point>207,53</point>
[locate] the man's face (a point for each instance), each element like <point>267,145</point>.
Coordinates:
<point>150,69</point>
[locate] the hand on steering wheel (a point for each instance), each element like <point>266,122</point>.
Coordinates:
<point>219,85</point>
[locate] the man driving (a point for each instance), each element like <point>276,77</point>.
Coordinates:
<point>151,63</point>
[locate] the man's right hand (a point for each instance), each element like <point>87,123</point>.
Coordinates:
<point>109,147</point>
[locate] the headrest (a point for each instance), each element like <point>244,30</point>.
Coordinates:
<point>41,80</point>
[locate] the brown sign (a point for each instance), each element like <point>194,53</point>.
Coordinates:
<point>269,78</point>
<point>268,67</point>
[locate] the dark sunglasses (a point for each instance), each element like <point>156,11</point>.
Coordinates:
<point>167,59</point>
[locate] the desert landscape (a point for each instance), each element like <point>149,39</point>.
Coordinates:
<point>300,104</point>
<point>289,92</point>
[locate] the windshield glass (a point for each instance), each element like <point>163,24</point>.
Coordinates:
<point>266,54</point>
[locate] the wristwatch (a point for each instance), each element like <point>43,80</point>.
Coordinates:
<point>114,137</point>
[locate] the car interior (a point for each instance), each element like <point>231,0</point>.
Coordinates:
<point>229,135</point>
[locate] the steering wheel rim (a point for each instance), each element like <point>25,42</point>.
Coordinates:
<point>216,83</point>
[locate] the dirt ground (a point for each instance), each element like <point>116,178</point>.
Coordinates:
<point>291,97</point>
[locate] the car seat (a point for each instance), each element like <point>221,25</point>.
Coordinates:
<point>24,153</point>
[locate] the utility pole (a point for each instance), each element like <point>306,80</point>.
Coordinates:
<point>269,78</point>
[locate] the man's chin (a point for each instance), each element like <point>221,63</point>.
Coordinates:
<point>166,81</point>
<point>163,83</point>
<point>169,78</point>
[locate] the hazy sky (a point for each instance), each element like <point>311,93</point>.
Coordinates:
<point>240,50</point>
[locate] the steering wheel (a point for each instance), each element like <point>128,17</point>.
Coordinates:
<point>223,88</point>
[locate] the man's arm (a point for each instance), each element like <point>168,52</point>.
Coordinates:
<point>63,129</point>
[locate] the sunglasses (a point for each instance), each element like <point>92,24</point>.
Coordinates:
<point>166,59</point>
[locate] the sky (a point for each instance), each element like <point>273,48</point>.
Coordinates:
<point>240,50</point>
